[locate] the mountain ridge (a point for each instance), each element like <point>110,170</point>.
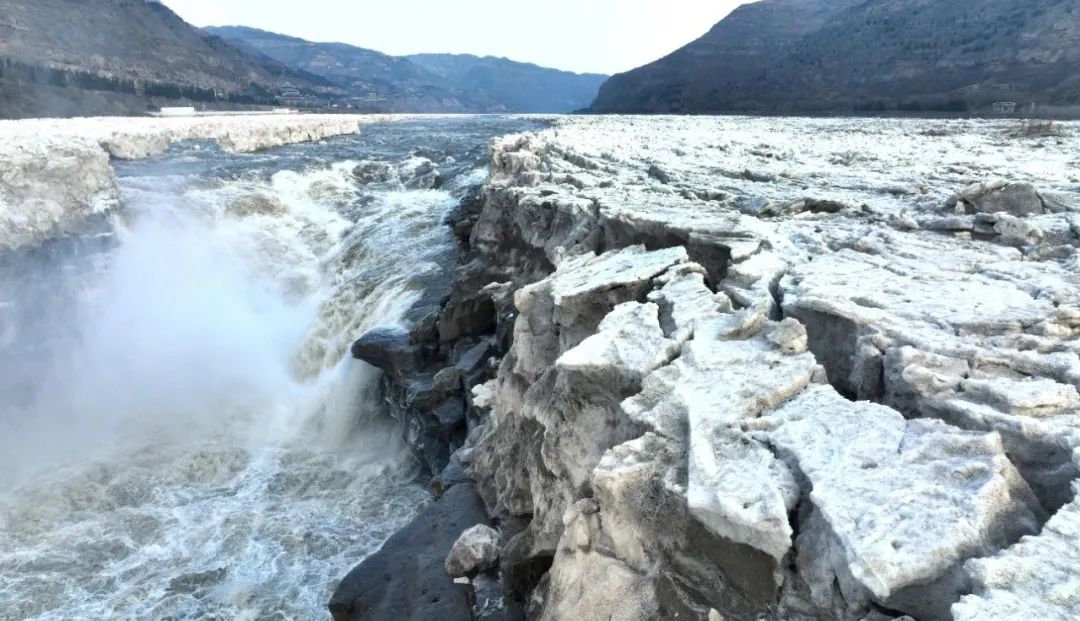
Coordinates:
<point>482,83</point>
<point>375,81</point>
<point>65,58</point>
<point>781,56</point>
<point>523,86</point>
<point>121,57</point>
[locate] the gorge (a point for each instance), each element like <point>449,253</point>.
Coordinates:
<point>182,432</point>
<point>756,368</point>
<point>703,368</point>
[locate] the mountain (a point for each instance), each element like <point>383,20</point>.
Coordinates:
<point>116,56</point>
<point>425,82</point>
<point>377,82</point>
<point>722,68</point>
<point>840,55</point>
<point>94,57</point>
<point>521,87</point>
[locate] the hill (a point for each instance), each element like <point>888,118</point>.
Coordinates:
<point>842,55</point>
<point>99,57</point>
<point>65,57</point>
<point>520,87</point>
<point>374,80</point>
<point>424,82</point>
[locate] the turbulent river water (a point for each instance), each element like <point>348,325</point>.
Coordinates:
<point>182,433</point>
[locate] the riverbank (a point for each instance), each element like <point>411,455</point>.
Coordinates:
<point>56,172</point>
<point>749,367</point>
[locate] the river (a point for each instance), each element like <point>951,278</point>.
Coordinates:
<point>182,432</point>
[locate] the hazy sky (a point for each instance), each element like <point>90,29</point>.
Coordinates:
<point>606,36</point>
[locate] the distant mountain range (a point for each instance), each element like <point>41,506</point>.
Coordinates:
<point>424,82</point>
<point>85,57</point>
<point>89,57</point>
<point>522,87</point>
<point>869,55</point>
<point>373,81</point>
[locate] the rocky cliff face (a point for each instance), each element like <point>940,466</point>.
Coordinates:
<point>829,55</point>
<point>761,368</point>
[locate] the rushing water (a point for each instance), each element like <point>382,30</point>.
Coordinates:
<point>182,433</point>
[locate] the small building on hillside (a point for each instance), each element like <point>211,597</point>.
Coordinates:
<point>1005,107</point>
<point>289,95</point>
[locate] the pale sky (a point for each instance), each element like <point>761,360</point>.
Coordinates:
<point>604,36</point>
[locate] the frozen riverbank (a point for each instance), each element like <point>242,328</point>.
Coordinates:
<point>55,173</point>
<point>755,367</point>
<point>805,369</point>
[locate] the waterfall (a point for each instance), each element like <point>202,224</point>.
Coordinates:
<point>182,432</point>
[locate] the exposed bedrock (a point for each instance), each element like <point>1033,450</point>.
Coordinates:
<point>405,579</point>
<point>767,369</point>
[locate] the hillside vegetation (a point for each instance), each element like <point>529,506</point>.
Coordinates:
<point>873,55</point>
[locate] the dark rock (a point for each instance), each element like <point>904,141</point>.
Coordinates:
<point>405,580</point>
<point>453,474</point>
<point>463,228</point>
<point>473,358</point>
<point>432,409</point>
<point>450,413</point>
<point>519,569</point>
<point>814,205</point>
<point>423,320</point>
<point>474,368</point>
<point>463,218</point>
<point>467,315</point>
<point>489,603</point>
<point>373,172</point>
<point>758,177</point>
<point>425,392</point>
<point>504,328</point>
<point>511,526</point>
<point>758,206</point>
<point>449,377</point>
<point>659,174</point>
<point>430,181</point>
<point>430,442</point>
<point>426,177</point>
<point>1015,199</point>
<point>435,155</point>
<point>950,223</point>
<point>390,348</point>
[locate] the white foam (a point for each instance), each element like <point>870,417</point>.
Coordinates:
<point>55,173</point>
<point>209,447</point>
